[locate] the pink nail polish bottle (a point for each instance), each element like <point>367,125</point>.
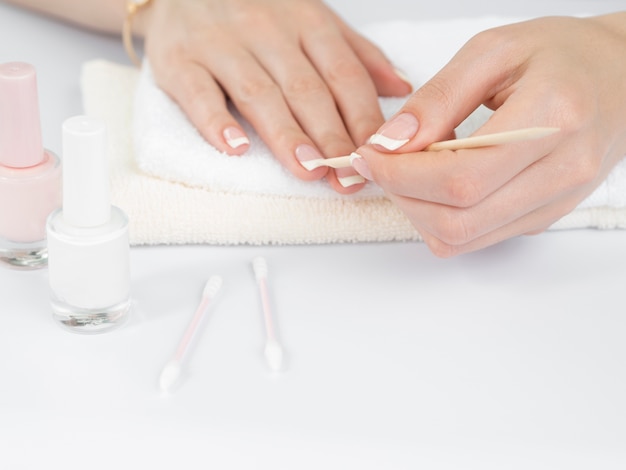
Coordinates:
<point>30,176</point>
<point>88,244</point>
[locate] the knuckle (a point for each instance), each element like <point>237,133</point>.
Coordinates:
<point>254,88</point>
<point>251,14</point>
<point>304,86</point>
<point>536,231</point>
<point>584,172</point>
<point>572,108</point>
<point>502,37</point>
<point>186,90</point>
<point>196,93</point>
<point>439,248</point>
<point>312,15</point>
<point>500,44</point>
<point>334,143</point>
<point>464,188</point>
<point>284,139</point>
<point>454,227</point>
<point>346,70</point>
<point>385,174</point>
<point>256,16</point>
<point>437,90</point>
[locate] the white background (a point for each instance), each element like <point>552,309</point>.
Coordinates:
<point>510,358</point>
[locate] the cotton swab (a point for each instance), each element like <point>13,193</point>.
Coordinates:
<point>273,349</point>
<point>171,372</point>
<point>487,140</point>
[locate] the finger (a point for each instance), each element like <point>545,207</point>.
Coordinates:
<point>556,187</point>
<point>349,82</point>
<point>202,100</point>
<point>477,73</point>
<point>308,98</point>
<point>312,104</point>
<point>389,80</point>
<point>259,99</point>
<point>461,178</point>
<point>532,223</point>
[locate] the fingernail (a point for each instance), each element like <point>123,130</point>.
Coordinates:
<point>395,133</point>
<point>235,137</point>
<point>347,176</point>
<point>403,76</point>
<point>361,166</point>
<point>348,181</point>
<point>306,153</point>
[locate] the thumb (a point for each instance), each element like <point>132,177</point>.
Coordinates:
<point>475,75</point>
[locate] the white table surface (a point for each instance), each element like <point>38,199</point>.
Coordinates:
<point>510,358</point>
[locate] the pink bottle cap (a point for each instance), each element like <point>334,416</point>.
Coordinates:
<point>20,128</point>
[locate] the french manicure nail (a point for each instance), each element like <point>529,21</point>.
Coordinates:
<point>348,181</point>
<point>397,132</point>
<point>360,165</point>
<point>347,176</point>
<point>235,137</point>
<point>307,153</point>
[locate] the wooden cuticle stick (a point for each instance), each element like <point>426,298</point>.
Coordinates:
<point>477,141</point>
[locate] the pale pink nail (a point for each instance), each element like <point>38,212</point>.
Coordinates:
<point>235,137</point>
<point>397,132</point>
<point>361,166</point>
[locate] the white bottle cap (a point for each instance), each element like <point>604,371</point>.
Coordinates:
<point>86,194</point>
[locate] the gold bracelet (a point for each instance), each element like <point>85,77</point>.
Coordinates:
<point>132,7</point>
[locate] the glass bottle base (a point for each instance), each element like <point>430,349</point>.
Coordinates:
<point>24,256</point>
<point>90,321</point>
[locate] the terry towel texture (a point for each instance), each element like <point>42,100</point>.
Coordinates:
<point>178,189</point>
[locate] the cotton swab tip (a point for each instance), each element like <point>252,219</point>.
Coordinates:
<point>274,355</point>
<point>212,286</point>
<point>259,265</point>
<point>170,375</point>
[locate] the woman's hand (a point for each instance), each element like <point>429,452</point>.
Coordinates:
<point>306,82</point>
<point>554,72</point>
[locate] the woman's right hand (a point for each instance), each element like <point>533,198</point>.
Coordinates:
<point>567,73</point>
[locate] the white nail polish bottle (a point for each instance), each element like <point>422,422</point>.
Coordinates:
<point>88,247</point>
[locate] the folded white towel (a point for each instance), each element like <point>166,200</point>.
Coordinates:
<point>182,190</point>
